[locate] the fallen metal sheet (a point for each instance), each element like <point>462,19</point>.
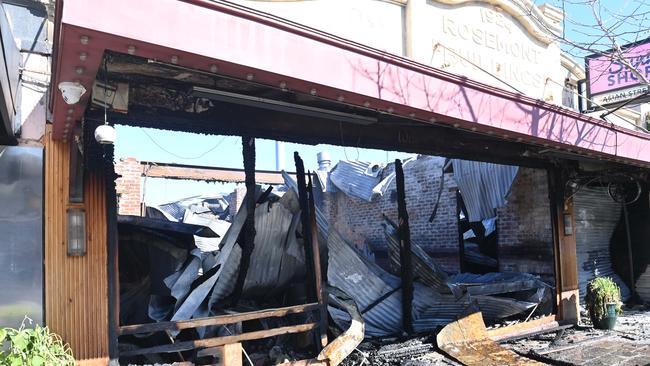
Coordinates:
<point>484,186</point>
<point>497,282</point>
<point>341,347</point>
<point>167,227</point>
<point>191,304</point>
<point>366,282</point>
<point>643,285</point>
<point>217,205</point>
<point>596,217</point>
<point>467,341</point>
<point>495,308</point>
<point>217,225</point>
<point>277,258</point>
<point>426,269</point>
<point>357,178</point>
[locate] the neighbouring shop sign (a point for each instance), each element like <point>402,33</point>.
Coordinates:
<point>610,82</point>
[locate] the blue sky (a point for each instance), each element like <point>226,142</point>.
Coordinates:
<point>225,151</point>
<point>147,144</point>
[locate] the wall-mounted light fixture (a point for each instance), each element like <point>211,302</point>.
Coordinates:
<point>76,232</point>
<point>568,224</point>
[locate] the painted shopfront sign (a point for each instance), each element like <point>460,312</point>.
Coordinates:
<point>615,78</point>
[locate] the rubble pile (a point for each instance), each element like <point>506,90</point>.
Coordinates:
<point>183,262</point>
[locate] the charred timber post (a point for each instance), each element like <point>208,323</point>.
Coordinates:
<point>406,266</point>
<point>306,231</point>
<point>248,152</point>
<point>321,295</point>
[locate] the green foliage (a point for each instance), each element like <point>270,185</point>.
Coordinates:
<point>600,292</point>
<point>33,347</point>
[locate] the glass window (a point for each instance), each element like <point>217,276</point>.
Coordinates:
<point>21,225</point>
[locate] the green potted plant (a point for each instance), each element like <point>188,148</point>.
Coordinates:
<point>33,346</point>
<point>603,300</point>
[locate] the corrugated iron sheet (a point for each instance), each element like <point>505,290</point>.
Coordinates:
<point>357,178</point>
<point>484,186</point>
<point>365,282</point>
<point>425,268</point>
<point>596,217</point>
<point>643,286</point>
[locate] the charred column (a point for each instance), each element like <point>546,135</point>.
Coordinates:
<point>306,227</point>
<point>406,267</point>
<point>321,294</point>
<point>248,233</point>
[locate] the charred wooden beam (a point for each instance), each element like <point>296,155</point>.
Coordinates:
<point>218,320</point>
<point>406,267</point>
<point>306,231</point>
<point>248,232</point>
<point>207,173</point>
<point>220,341</point>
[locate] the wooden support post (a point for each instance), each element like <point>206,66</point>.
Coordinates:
<point>630,257</point>
<point>231,355</point>
<point>564,238</point>
<point>306,224</point>
<point>406,267</point>
<point>248,232</point>
<point>321,294</point>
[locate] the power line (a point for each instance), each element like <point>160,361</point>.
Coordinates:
<point>180,156</point>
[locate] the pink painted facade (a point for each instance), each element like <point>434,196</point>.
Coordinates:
<point>246,44</point>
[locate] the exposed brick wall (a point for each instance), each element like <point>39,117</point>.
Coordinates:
<point>360,221</point>
<point>235,200</point>
<point>127,186</point>
<point>524,225</point>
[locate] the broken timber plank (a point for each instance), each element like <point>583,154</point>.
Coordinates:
<point>467,341</point>
<point>220,341</point>
<point>343,345</point>
<point>217,320</point>
<point>532,326</point>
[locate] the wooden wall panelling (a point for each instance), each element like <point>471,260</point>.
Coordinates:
<point>76,301</point>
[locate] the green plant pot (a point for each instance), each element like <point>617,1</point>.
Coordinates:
<point>609,321</point>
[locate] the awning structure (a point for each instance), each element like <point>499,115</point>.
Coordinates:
<point>230,40</point>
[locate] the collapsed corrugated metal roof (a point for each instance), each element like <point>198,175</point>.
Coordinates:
<point>426,268</point>
<point>366,283</point>
<point>210,211</point>
<point>484,186</point>
<point>357,178</point>
<point>596,217</point>
<point>377,293</point>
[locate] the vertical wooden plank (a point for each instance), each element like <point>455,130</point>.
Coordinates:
<point>321,294</point>
<point>564,240</point>
<point>406,266</point>
<point>232,355</point>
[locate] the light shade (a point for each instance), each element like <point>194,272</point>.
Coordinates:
<point>76,232</point>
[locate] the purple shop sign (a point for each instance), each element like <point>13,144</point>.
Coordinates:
<point>606,74</point>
